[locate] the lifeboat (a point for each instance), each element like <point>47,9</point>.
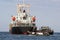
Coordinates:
<point>33,19</point>
<point>13,18</point>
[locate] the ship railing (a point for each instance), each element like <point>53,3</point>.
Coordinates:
<point>23,25</point>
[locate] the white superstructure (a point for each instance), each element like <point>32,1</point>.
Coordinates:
<point>23,15</point>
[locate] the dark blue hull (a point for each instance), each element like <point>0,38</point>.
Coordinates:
<point>22,30</point>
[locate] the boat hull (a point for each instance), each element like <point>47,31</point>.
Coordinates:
<point>22,30</point>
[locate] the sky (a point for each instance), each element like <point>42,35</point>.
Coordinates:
<point>47,13</point>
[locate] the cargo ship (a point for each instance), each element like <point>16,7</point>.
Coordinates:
<point>23,22</point>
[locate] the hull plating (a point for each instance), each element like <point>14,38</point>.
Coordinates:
<point>22,30</point>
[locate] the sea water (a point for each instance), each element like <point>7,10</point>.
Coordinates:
<point>8,36</point>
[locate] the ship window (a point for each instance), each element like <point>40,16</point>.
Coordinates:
<point>23,11</point>
<point>24,18</point>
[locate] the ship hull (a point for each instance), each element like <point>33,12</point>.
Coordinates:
<point>22,30</point>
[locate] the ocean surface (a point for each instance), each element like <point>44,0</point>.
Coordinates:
<point>8,36</point>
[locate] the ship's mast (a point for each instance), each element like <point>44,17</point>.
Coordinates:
<point>20,7</point>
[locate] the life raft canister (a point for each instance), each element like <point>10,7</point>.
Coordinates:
<point>13,18</point>
<point>33,19</point>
